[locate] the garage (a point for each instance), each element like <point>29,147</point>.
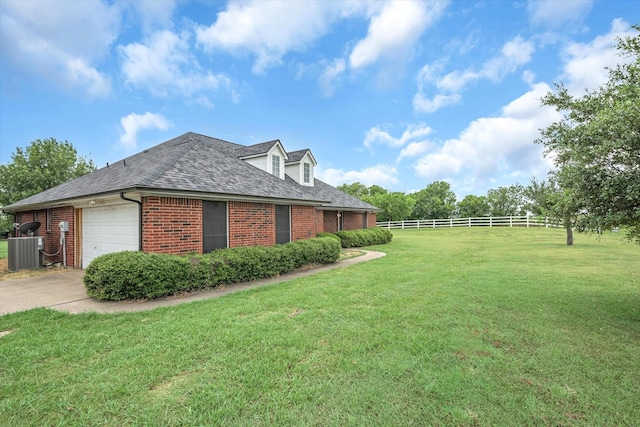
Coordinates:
<point>107,229</point>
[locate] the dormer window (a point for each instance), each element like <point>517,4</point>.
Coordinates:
<point>307,173</point>
<point>275,165</point>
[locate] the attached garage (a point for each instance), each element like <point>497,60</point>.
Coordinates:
<point>109,229</point>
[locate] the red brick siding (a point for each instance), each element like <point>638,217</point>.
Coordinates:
<point>303,222</point>
<point>330,221</point>
<point>251,224</point>
<point>171,225</point>
<point>371,220</point>
<point>52,243</point>
<point>352,220</point>
<point>319,221</point>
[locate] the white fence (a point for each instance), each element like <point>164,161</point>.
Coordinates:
<point>496,221</point>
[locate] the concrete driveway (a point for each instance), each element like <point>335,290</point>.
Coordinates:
<point>65,291</point>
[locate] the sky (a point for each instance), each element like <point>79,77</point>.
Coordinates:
<point>394,93</point>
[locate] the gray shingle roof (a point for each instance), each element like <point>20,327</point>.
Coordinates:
<point>188,163</point>
<point>256,149</point>
<point>296,156</point>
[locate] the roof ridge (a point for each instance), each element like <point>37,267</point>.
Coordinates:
<point>183,148</point>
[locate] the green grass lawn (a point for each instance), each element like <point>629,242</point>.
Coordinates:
<point>4,252</point>
<point>488,327</point>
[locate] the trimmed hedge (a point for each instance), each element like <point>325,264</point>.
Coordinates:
<point>137,275</point>
<point>364,237</point>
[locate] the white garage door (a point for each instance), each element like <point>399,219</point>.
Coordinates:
<point>109,229</point>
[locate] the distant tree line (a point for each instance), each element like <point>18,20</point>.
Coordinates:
<point>437,200</point>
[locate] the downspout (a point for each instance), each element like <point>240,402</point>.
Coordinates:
<point>139,218</point>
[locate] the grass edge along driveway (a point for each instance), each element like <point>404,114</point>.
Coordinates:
<point>453,327</point>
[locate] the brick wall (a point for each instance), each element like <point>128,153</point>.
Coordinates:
<point>303,222</point>
<point>171,225</point>
<point>371,220</point>
<point>52,241</point>
<point>352,220</point>
<point>329,221</point>
<point>251,224</point>
<point>319,221</point>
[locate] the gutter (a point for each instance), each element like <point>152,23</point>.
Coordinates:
<point>139,218</point>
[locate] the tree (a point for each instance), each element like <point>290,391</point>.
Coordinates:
<point>473,206</point>
<point>395,206</point>
<point>596,145</point>
<point>506,201</point>
<point>435,201</point>
<point>355,189</point>
<point>42,165</point>
<point>558,205</point>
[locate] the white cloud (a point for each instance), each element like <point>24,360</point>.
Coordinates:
<point>163,65</point>
<point>269,29</point>
<point>331,75</point>
<point>133,123</point>
<point>381,175</point>
<point>414,148</point>
<point>491,147</point>
<point>553,13</point>
<point>425,105</point>
<point>58,43</point>
<point>154,13</point>
<point>585,63</point>
<point>514,54</point>
<point>395,30</point>
<point>376,135</point>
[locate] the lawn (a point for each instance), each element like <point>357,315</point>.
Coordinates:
<point>4,252</point>
<point>470,327</point>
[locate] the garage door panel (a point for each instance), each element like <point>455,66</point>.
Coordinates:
<point>109,229</point>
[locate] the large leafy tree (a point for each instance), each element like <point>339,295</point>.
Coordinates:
<point>434,201</point>
<point>356,189</point>
<point>506,201</point>
<point>396,206</point>
<point>473,206</point>
<point>44,164</point>
<point>558,205</point>
<point>596,146</point>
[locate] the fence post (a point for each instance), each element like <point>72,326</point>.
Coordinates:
<point>510,221</point>
<point>490,221</point>
<point>450,222</point>
<point>469,221</point>
<point>527,220</point>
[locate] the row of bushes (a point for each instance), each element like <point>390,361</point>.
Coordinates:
<point>137,275</point>
<point>359,238</point>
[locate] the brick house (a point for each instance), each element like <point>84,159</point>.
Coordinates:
<point>192,194</point>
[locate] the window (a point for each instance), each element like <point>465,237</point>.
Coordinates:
<point>283,224</point>
<point>214,225</point>
<point>275,165</point>
<point>307,173</point>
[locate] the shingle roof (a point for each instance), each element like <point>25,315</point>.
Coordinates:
<point>188,163</point>
<point>296,156</point>
<point>256,149</point>
<point>339,200</point>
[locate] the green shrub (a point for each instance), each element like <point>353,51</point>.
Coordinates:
<point>332,235</point>
<point>364,237</point>
<point>135,275</point>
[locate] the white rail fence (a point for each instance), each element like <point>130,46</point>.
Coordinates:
<point>496,221</point>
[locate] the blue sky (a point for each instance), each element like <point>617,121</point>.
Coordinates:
<point>393,93</point>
